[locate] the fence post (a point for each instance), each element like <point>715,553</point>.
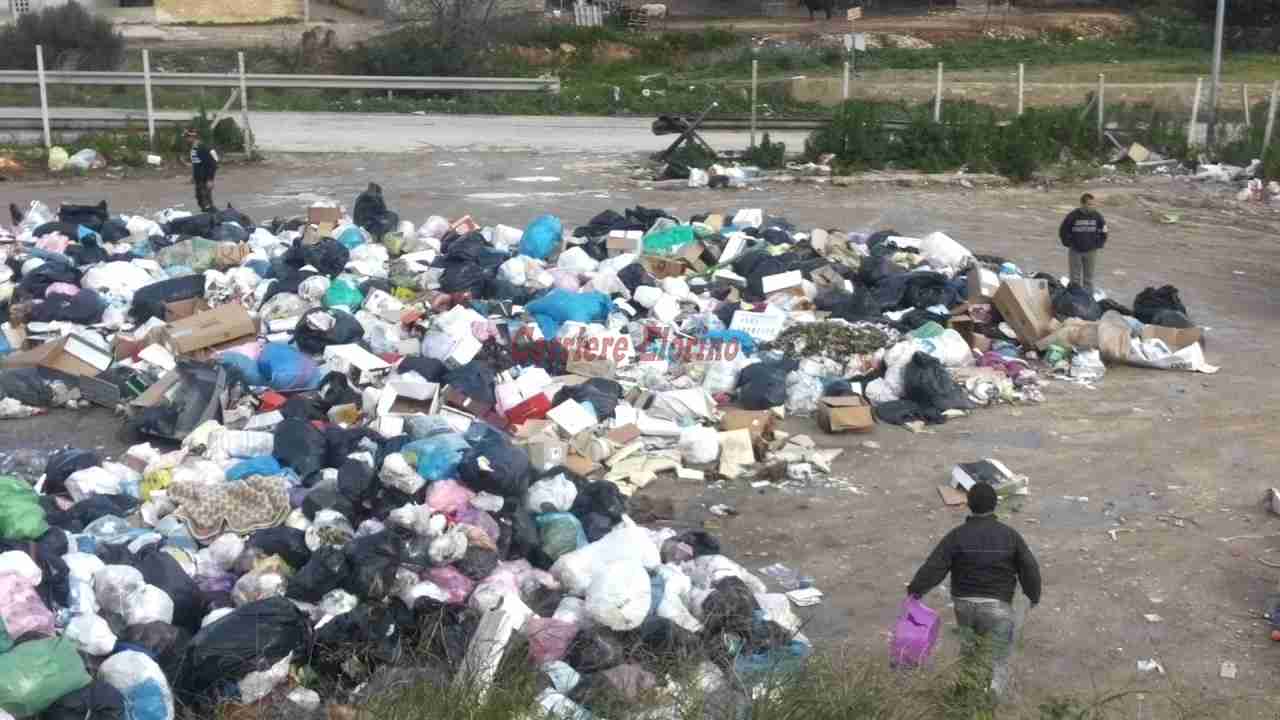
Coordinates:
<point>1271,118</point>
<point>306,11</point>
<point>1244,98</point>
<point>1195,110</point>
<point>937,98</point>
<point>44,96</point>
<point>844,87</point>
<point>151,114</point>
<point>1021,85</point>
<point>755,69</point>
<point>244,104</point>
<point>1102,111</point>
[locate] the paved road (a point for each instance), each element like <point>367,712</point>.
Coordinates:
<point>398,133</point>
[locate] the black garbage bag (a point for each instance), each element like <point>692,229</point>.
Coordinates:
<point>83,308</point>
<point>496,466</point>
<point>329,257</point>
<point>595,649</point>
<point>35,284</point>
<point>95,701</point>
<point>70,230</point>
<point>325,496</point>
<point>251,638</point>
<point>518,535</point>
<point>475,380</point>
<point>372,561</point>
<point>702,542</point>
<point>299,445</point>
<point>198,225</point>
<point>159,568</point>
<point>228,232</point>
<point>851,306</point>
<point>200,384</point>
<point>319,328</point>
<point>464,248</point>
<point>459,277</point>
<point>1152,300</point>
<point>926,289</point>
<point>341,442</point>
<point>1074,301</point>
<point>289,543</point>
<point>603,394</point>
<point>370,633</point>
<point>304,407</point>
<point>356,480</point>
<point>926,382</point>
<point>166,643</point>
<point>47,552</point>
<point>917,317</point>
<point>665,639</point>
<point>325,572</point>
<point>596,525</point>
<point>764,385</point>
<point>601,496</point>
<point>635,275</point>
<point>62,464</point>
<point>26,386</point>
<point>431,369</point>
<point>90,216</point>
<point>729,608</point>
<point>1172,318</point>
<point>478,563</point>
<point>149,301</point>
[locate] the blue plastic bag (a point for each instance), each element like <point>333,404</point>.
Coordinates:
<point>261,465</point>
<point>247,366</point>
<point>146,701</point>
<point>560,305</point>
<point>284,367</point>
<point>436,457</point>
<point>352,237</point>
<point>541,237</point>
<point>745,342</point>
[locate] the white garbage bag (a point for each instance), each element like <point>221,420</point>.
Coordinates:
<point>699,445</point>
<point>91,635</point>
<point>576,570</point>
<point>142,683</point>
<point>554,494</point>
<point>148,604</point>
<point>944,253</point>
<point>114,584</point>
<point>620,595</point>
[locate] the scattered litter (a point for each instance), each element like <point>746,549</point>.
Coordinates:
<point>1227,671</point>
<point>1153,618</point>
<point>1151,665</point>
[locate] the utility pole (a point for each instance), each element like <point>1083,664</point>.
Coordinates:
<point>1211,130</point>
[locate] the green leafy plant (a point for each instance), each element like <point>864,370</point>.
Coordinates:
<point>767,155</point>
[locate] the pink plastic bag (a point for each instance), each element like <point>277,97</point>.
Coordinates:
<point>61,288</point>
<point>448,578</point>
<point>914,635</point>
<point>549,638</point>
<point>448,496</point>
<point>22,609</point>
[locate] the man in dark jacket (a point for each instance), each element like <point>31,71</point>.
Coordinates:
<point>1083,232</point>
<point>204,168</point>
<point>987,559</point>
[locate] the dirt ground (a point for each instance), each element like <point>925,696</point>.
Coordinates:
<point>1176,463</point>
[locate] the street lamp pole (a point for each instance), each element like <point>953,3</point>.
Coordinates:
<point>1211,130</point>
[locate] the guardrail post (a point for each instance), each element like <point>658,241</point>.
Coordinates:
<point>755,69</point>
<point>1244,98</point>
<point>844,87</point>
<point>1195,110</point>
<point>151,114</point>
<point>44,96</point>
<point>306,11</point>
<point>1271,118</point>
<point>1021,85</point>
<point>937,98</point>
<point>244,104</point>
<point>1102,109</point>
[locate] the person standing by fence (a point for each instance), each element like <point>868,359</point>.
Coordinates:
<point>204,168</point>
<point>1083,232</point>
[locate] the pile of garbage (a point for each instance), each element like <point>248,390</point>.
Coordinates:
<point>357,428</point>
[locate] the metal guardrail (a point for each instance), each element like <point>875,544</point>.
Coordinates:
<point>259,80</point>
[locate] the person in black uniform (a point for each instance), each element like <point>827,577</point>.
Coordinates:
<point>204,168</point>
<point>1083,233</point>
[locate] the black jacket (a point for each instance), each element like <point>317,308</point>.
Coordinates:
<point>204,163</point>
<point>1083,230</point>
<point>986,558</point>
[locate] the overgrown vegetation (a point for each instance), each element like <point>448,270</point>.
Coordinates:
<point>71,37</point>
<point>767,155</point>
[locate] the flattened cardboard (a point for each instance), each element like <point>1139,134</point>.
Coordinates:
<point>1175,338</point>
<point>845,414</point>
<point>692,254</point>
<point>758,422</point>
<point>1026,306</point>
<point>183,309</point>
<point>223,324</point>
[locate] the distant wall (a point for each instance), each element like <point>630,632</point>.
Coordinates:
<point>371,8</point>
<point>227,11</point>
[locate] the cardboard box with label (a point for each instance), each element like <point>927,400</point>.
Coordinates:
<point>1026,306</point>
<point>77,354</point>
<point>223,324</point>
<point>845,414</point>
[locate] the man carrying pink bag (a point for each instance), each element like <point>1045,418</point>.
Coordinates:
<point>987,560</point>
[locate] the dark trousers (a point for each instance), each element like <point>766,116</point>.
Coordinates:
<point>204,196</point>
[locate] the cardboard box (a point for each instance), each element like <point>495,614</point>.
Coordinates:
<point>320,214</point>
<point>759,422</point>
<point>223,324</point>
<point>172,390</point>
<point>662,267</point>
<point>964,325</point>
<point>76,356</point>
<point>546,453</point>
<point>1175,338</point>
<point>845,414</point>
<point>624,241</point>
<point>1026,306</point>
<point>983,285</point>
<point>183,309</point>
<point>692,254</point>
<point>358,364</point>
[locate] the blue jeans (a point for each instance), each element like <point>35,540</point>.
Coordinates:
<point>994,620</point>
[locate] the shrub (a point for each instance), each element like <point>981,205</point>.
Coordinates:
<point>767,154</point>
<point>72,38</point>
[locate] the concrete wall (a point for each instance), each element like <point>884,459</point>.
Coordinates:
<point>370,8</point>
<point>226,11</point>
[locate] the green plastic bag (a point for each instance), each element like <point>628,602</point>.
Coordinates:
<point>928,330</point>
<point>36,674</point>
<point>668,240</point>
<point>21,517</point>
<point>343,293</point>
